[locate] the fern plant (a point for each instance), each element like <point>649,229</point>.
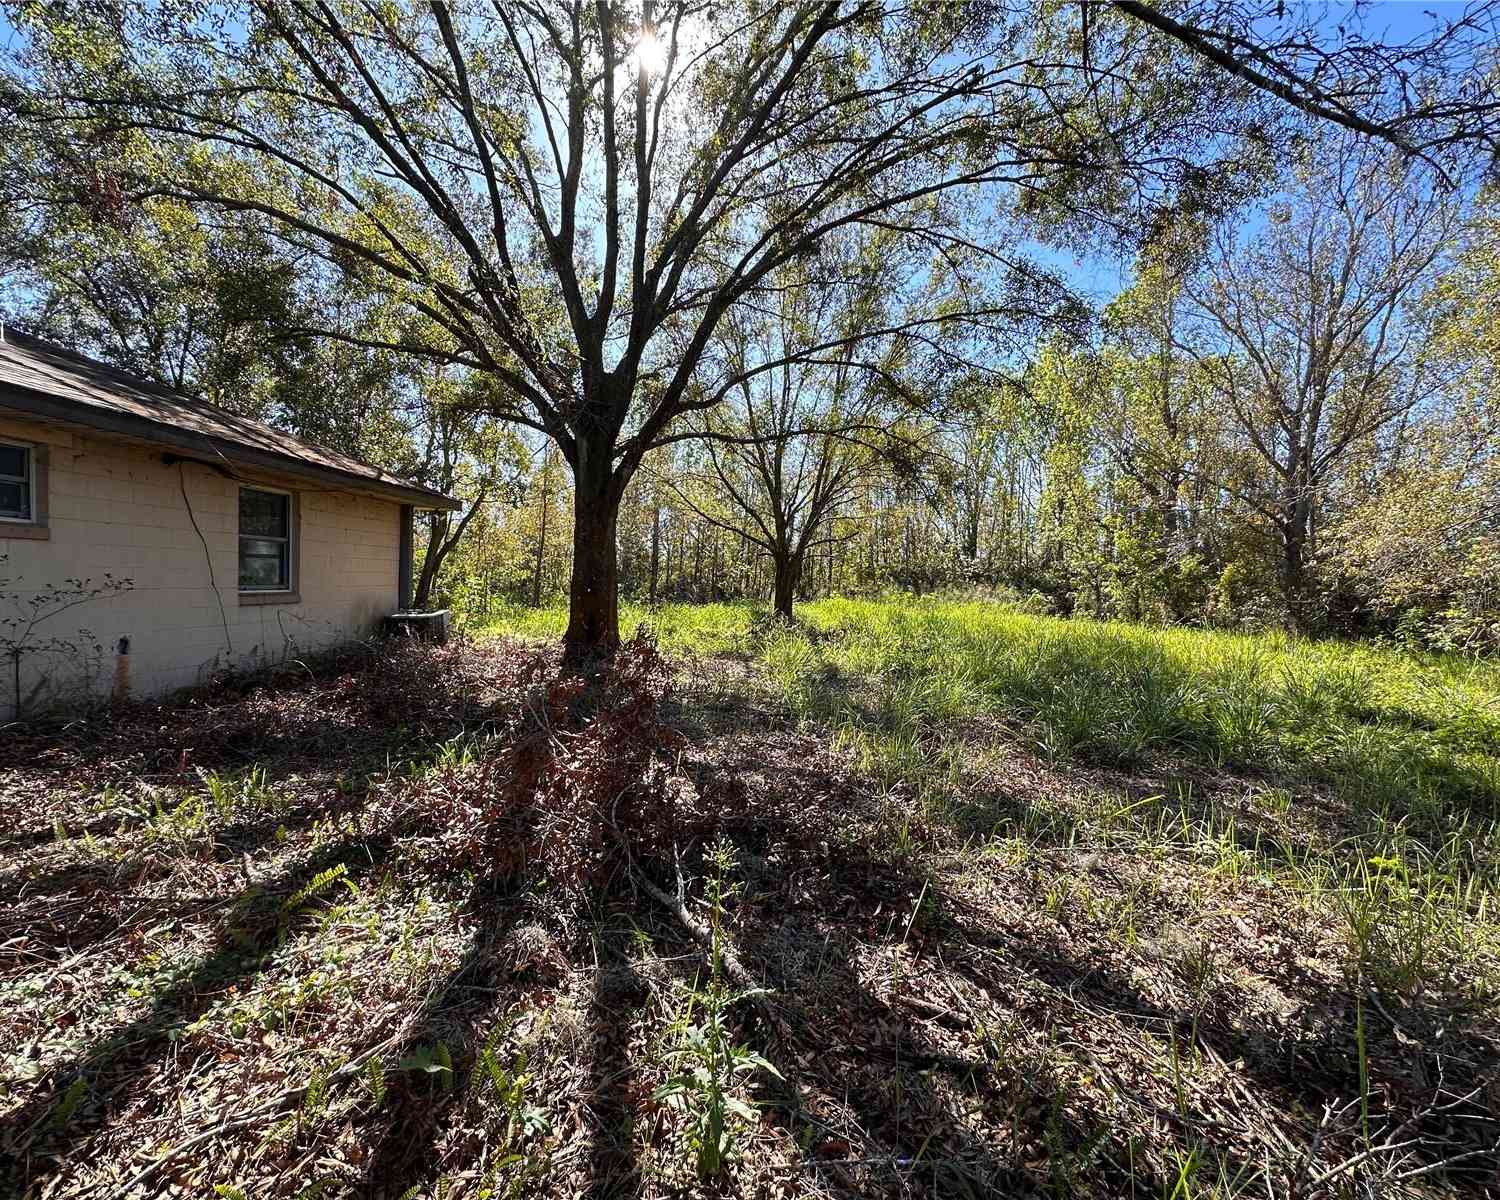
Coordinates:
<point>374,1074</point>
<point>508,1086</point>
<point>320,884</point>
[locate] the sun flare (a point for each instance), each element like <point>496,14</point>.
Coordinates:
<point>651,53</point>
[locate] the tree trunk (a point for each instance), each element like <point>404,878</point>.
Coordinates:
<point>1296,518</point>
<point>541,541</point>
<point>784,588</point>
<point>698,565</point>
<point>971,533</point>
<point>437,550</point>
<point>593,593</point>
<point>422,596</point>
<point>666,567</point>
<point>655,549</point>
<point>1294,575</point>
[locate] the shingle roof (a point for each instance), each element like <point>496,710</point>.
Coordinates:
<point>41,379</point>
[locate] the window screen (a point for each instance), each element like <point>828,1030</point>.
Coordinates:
<point>265,541</point>
<point>16,466</point>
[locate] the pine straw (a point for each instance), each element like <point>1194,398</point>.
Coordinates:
<point>951,1015</point>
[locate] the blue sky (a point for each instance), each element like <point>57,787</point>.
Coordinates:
<point>1103,276</point>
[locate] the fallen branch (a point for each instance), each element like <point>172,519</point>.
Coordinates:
<point>677,906</point>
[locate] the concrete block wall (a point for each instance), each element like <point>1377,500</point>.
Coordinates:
<point>117,508</point>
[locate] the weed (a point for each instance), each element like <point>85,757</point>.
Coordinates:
<point>63,1112</point>
<point>232,796</point>
<point>1406,929</point>
<point>318,886</point>
<point>434,1061</point>
<point>708,1064</point>
<point>507,1087</point>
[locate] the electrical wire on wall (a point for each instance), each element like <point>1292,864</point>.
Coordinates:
<point>207,555</point>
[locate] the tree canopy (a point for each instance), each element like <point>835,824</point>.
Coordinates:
<point>570,200</point>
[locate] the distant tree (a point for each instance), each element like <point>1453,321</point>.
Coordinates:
<point>452,446</point>
<point>574,196</point>
<point>1311,336</point>
<point>157,294</point>
<point>1419,544</point>
<point>1466,308</point>
<point>778,479</point>
<point>828,393</point>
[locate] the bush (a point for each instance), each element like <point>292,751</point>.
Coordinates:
<point>583,783</point>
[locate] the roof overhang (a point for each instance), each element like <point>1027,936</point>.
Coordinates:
<point>208,449</point>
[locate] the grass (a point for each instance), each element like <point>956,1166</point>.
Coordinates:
<point>1014,906</point>
<point>1399,755</point>
<point>679,629</point>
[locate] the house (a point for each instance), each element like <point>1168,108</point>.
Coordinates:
<point>240,544</point>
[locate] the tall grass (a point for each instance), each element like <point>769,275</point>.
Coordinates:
<point>1400,750</point>
<point>680,629</point>
<point>1392,729</point>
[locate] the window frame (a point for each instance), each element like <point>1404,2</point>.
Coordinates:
<point>282,593</point>
<point>35,524</point>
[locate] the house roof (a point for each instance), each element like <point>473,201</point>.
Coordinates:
<point>39,379</point>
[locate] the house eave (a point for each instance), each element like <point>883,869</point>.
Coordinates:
<point>209,449</point>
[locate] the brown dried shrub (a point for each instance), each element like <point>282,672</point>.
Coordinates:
<point>586,780</point>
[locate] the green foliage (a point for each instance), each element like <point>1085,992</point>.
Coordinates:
<point>375,1081</point>
<point>1408,926</point>
<point>709,1067</point>
<point>1407,744</point>
<point>240,796</point>
<point>318,886</point>
<point>68,1104</point>
<point>435,1061</point>
<point>507,1087</point>
<point>679,629</point>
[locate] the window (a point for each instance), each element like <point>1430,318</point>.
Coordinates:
<point>17,482</point>
<point>265,541</point>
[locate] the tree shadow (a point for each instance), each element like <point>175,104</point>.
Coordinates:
<point>887,980</point>
<point>68,909</point>
<point>363,711</point>
<point>51,1126</point>
<point>405,1152</point>
<point>613,1096</point>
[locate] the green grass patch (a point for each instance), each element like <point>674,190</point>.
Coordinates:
<point>680,629</point>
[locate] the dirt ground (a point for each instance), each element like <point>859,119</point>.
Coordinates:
<point>244,952</point>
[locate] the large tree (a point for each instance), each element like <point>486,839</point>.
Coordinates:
<point>1311,338</point>
<point>160,295</point>
<point>570,197</point>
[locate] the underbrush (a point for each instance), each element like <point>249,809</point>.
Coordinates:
<point>925,899</point>
<point>581,783</point>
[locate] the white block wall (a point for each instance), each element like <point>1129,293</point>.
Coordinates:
<point>118,508</point>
